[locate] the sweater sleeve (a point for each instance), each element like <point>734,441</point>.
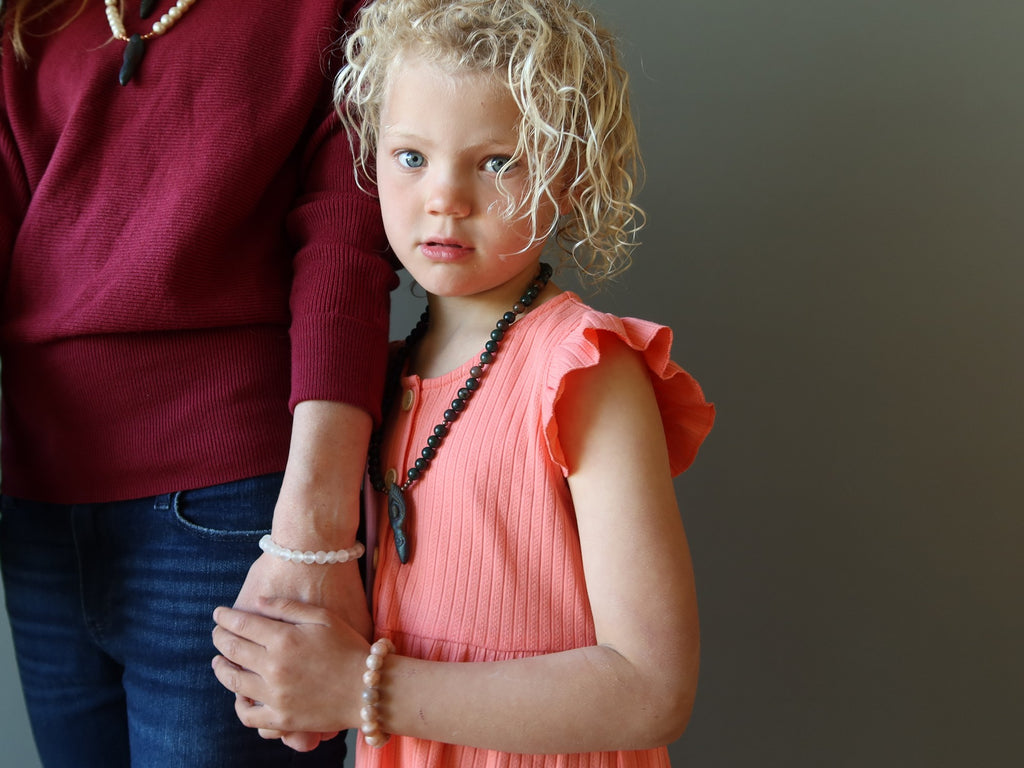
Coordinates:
<point>685,415</point>
<point>14,190</point>
<point>342,277</point>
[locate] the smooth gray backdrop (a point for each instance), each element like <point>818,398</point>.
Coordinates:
<point>834,190</point>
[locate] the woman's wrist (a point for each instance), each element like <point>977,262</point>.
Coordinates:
<point>311,557</point>
<point>315,527</point>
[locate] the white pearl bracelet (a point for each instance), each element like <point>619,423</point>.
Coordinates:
<point>271,547</point>
<point>369,712</point>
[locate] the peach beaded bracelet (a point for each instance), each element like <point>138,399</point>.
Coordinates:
<point>368,713</point>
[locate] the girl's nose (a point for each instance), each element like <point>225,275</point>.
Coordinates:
<point>448,197</point>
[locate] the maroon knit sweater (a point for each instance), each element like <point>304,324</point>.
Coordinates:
<point>183,258</point>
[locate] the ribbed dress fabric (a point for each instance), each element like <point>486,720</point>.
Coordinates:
<point>496,570</point>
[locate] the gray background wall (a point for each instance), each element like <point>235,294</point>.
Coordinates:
<point>834,191</point>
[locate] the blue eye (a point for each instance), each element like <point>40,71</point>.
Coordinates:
<point>411,159</point>
<point>496,163</point>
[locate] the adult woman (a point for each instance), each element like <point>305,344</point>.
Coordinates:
<point>184,256</point>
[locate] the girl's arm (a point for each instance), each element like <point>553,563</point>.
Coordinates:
<point>633,690</point>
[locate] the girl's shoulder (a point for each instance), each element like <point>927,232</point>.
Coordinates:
<point>575,337</point>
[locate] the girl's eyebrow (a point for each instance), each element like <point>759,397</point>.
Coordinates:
<point>486,145</point>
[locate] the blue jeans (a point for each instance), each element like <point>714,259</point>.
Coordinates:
<point>110,607</point>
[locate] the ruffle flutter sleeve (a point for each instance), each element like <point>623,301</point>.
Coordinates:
<point>687,417</point>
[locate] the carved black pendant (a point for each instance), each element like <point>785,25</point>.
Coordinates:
<point>133,53</point>
<point>397,514</point>
<point>146,8</point>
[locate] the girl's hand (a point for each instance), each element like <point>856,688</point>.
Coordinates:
<point>296,670</point>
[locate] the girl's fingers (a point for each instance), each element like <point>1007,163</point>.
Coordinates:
<point>251,626</point>
<point>237,648</point>
<point>301,742</point>
<point>262,628</point>
<point>240,681</point>
<point>265,719</point>
<point>291,611</point>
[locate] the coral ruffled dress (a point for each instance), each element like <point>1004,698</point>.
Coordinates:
<point>495,570</point>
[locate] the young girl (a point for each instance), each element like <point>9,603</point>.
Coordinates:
<point>533,592</point>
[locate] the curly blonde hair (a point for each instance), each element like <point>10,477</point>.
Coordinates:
<point>564,73</point>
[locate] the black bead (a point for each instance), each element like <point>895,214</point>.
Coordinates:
<point>440,430</point>
<point>473,384</point>
<point>465,393</point>
<point>458,405</point>
<point>486,358</point>
<point>509,317</point>
<point>413,473</point>
<point>476,371</point>
<point>491,346</point>
<point>501,325</point>
<point>428,453</point>
<point>434,442</point>
<point>497,334</point>
<point>451,415</point>
<point>421,464</point>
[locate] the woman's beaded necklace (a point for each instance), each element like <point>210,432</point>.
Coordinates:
<point>397,509</point>
<point>136,44</point>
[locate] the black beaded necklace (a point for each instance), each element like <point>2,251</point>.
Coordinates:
<point>397,510</point>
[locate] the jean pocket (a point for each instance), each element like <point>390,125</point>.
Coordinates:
<point>237,510</point>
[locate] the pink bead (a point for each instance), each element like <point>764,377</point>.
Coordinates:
<point>376,739</point>
<point>371,696</point>
<point>382,647</point>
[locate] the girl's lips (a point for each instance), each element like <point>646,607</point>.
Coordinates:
<point>442,249</point>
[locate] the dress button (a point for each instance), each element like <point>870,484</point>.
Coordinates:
<point>408,398</point>
<point>390,476</point>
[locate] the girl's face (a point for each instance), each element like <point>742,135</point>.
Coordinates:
<point>443,138</point>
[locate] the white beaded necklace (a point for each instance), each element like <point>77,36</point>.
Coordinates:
<point>136,44</point>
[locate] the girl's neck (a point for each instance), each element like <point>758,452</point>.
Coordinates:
<point>459,326</point>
